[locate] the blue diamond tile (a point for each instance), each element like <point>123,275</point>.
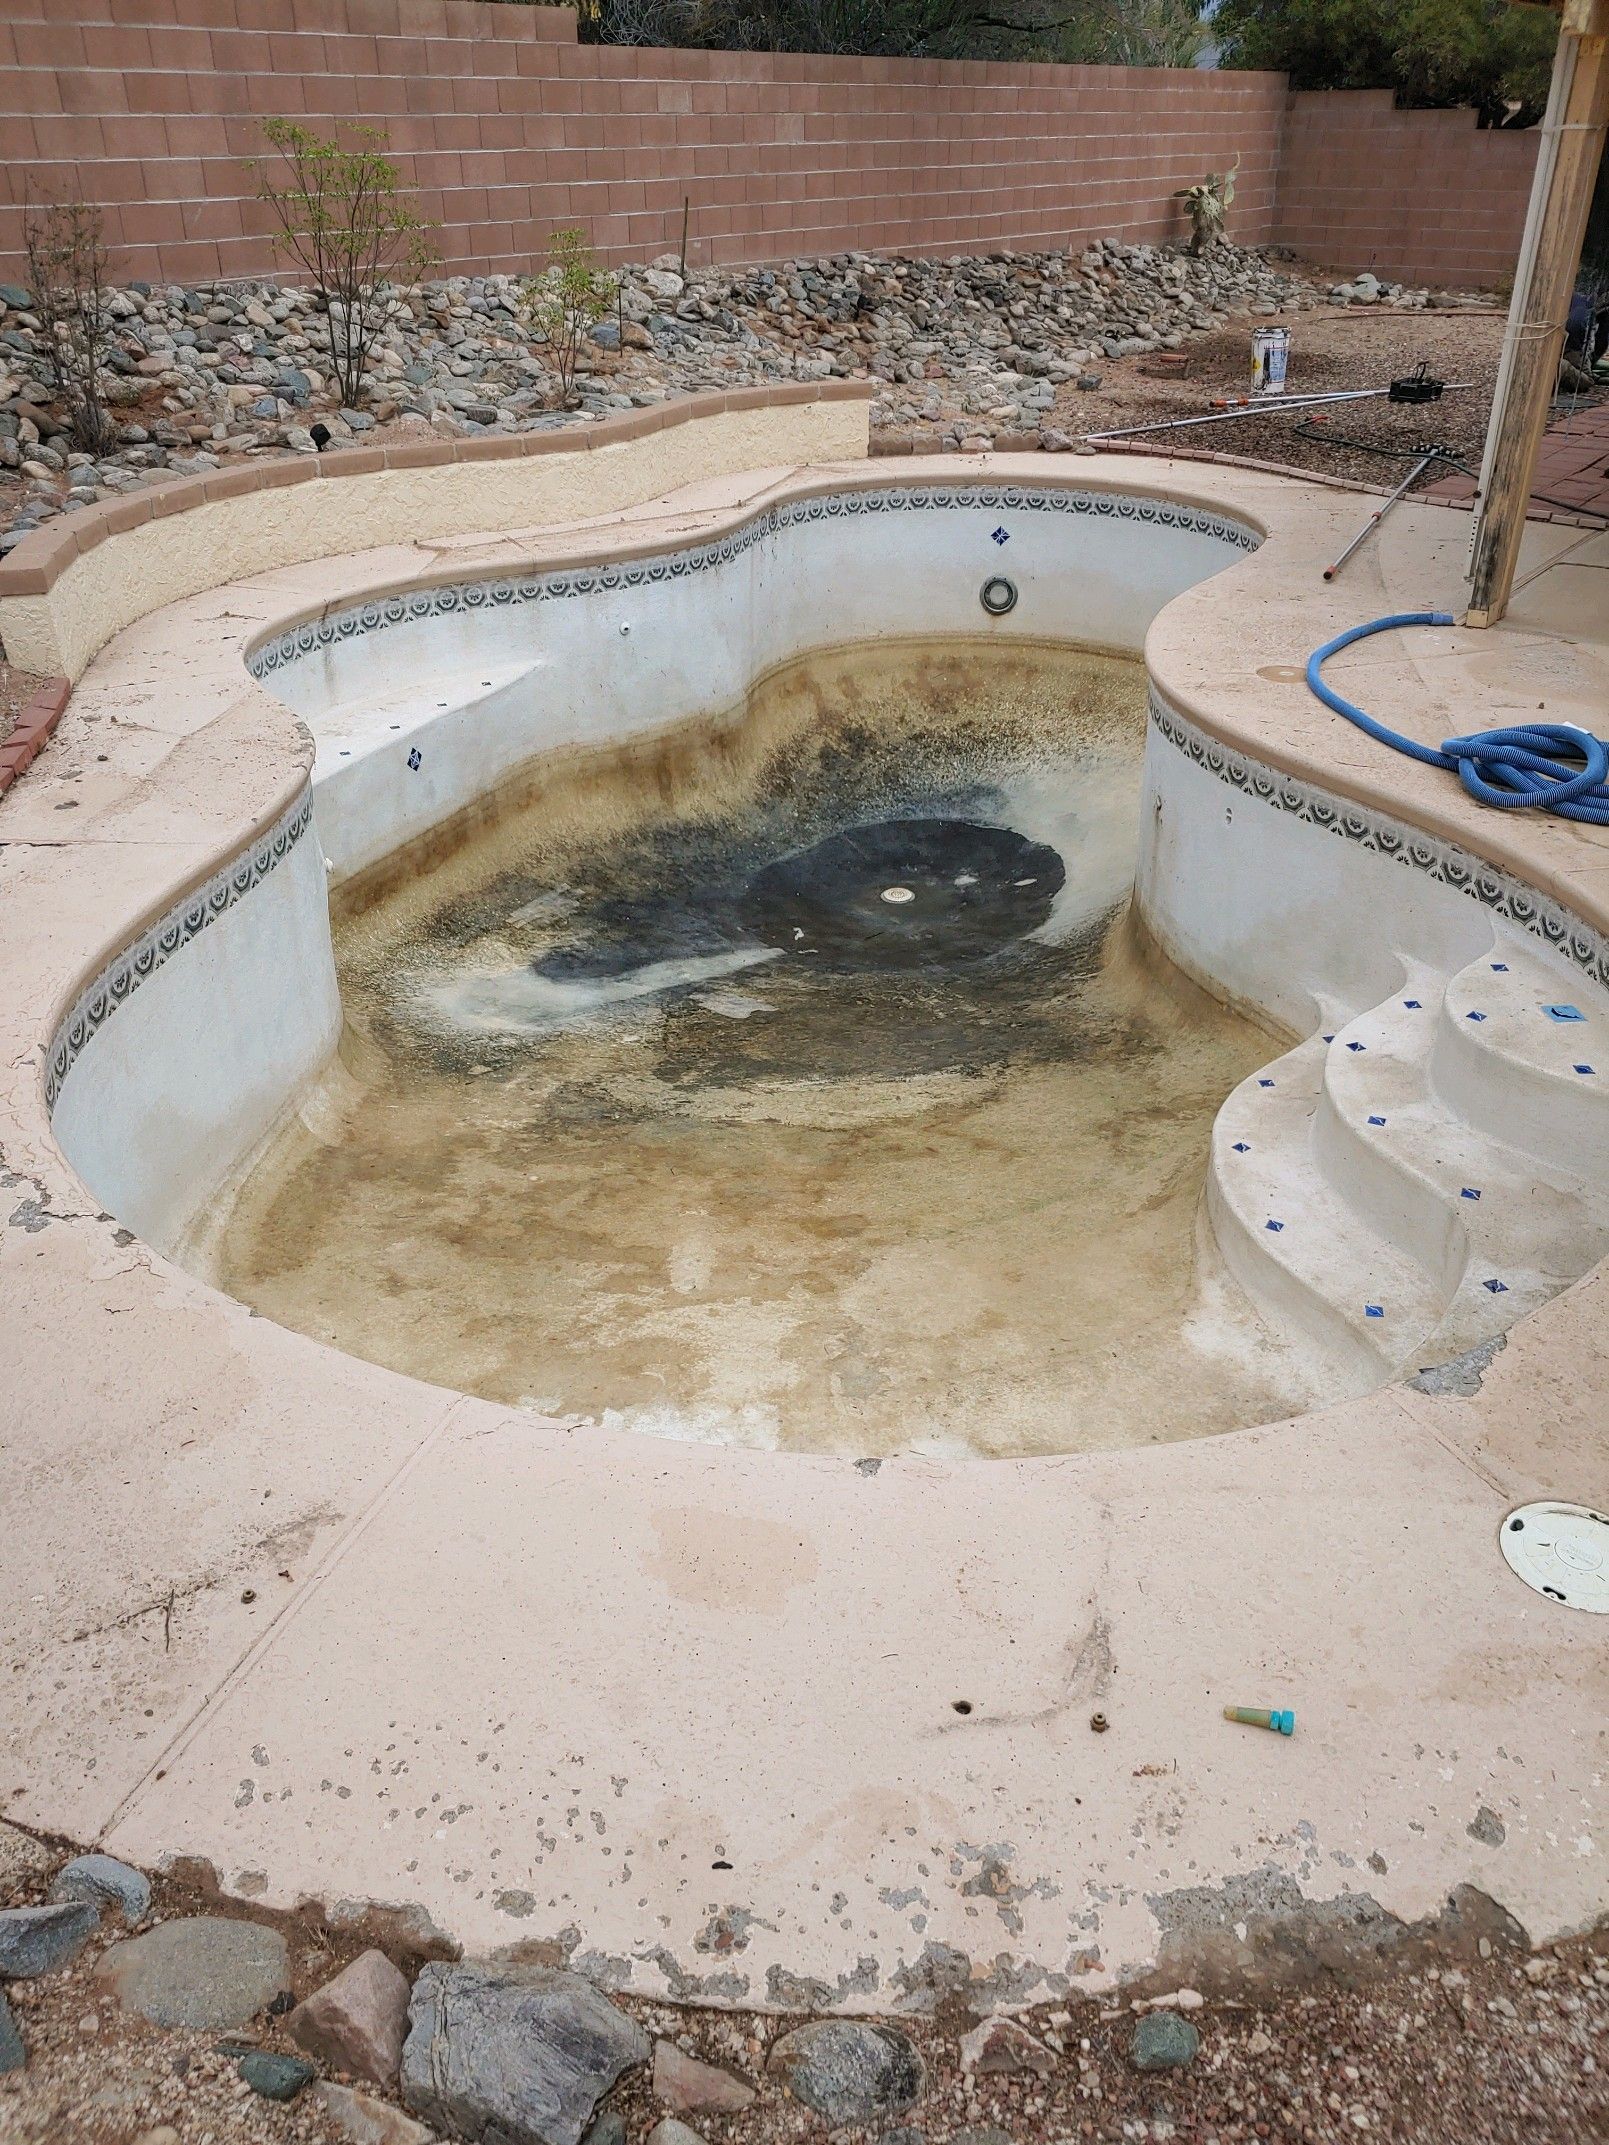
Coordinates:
<point>1497,1288</point>
<point>1357,1046</point>
<point>1564,1012</point>
<point>1469,1192</point>
<point>1269,1083</point>
<point>1474,1016</point>
<point>1412,1004</point>
<point>1001,536</point>
<point>1374,1310</point>
<point>1500,968</point>
<point>1329,1038</point>
<point>1242,1147</point>
<point>1583,1068</point>
<point>1377,1120</point>
<point>416,759</point>
<point>1274,1226</point>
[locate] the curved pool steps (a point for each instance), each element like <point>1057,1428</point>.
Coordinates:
<point>1310,1260</point>
<point>1522,1072</point>
<point>1407,1230</point>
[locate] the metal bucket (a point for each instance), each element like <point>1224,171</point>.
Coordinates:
<point>1270,357</point>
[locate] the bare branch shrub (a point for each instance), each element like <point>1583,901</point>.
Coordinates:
<point>343,219</point>
<point>67,268</point>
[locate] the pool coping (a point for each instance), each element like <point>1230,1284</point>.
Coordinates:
<point>1528,1429</point>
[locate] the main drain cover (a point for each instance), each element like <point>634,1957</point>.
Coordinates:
<point>904,893</point>
<point>1562,1551</point>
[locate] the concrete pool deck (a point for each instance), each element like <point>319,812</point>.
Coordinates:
<point>765,1728</point>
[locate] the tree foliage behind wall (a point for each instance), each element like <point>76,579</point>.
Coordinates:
<point>1123,33</point>
<point>1488,53</point>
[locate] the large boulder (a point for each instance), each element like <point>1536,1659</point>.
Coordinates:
<point>358,2022</point>
<point>519,2055</point>
<point>847,2071</point>
<point>36,1940</point>
<point>203,1972</point>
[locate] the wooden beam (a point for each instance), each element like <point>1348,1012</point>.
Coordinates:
<point>1566,172</point>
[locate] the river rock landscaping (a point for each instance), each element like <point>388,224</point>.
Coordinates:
<point>208,2022</point>
<point>1000,349</point>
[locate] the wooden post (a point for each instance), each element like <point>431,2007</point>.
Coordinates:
<point>1566,172</point>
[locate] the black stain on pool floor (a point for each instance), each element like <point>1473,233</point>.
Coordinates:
<point>798,1078</point>
<point>905,893</point>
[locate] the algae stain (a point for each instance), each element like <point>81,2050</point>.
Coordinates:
<point>941,1203</point>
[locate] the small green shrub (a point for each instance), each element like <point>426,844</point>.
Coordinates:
<point>561,307</point>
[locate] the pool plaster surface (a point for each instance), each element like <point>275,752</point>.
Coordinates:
<point>687,1715</point>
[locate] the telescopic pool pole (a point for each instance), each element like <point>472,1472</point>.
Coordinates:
<point>1288,405</point>
<point>1384,508</point>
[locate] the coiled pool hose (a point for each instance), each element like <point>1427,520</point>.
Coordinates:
<point>1546,767</point>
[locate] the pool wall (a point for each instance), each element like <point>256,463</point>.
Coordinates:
<point>184,1050</point>
<point>1284,897</point>
<point>65,591</point>
<point>602,654</point>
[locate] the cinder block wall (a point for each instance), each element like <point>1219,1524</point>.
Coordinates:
<point>508,128</point>
<point>1424,195</point>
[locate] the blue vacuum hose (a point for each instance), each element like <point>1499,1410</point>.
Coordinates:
<point>1545,767</point>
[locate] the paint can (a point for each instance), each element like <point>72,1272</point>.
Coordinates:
<point>1270,357</point>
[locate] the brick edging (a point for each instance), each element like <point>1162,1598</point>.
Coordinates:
<point>39,717</point>
<point>40,560</point>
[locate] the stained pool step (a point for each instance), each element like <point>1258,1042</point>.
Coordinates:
<point>1314,1264</point>
<point>1368,1217</point>
<point>1522,1051</point>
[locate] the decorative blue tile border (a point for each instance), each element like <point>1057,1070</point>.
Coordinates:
<point>136,964</point>
<point>498,593</point>
<point>1442,861</point>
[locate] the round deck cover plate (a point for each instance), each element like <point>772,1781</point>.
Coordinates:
<point>1562,1552</point>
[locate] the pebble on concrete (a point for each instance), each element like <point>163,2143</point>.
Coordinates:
<point>202,1972</point>
<point>358,2022</point>
<point>524,2053</point>
<point>848,2071</point>
<point>36,1940</point>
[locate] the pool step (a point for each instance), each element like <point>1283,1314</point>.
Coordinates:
<point>1369,1217</point>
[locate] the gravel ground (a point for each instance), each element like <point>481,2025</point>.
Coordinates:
<point>1501,2050</point>
<point>1343,348</point>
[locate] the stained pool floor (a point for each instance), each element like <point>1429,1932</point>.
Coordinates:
<point>796,1078</point>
